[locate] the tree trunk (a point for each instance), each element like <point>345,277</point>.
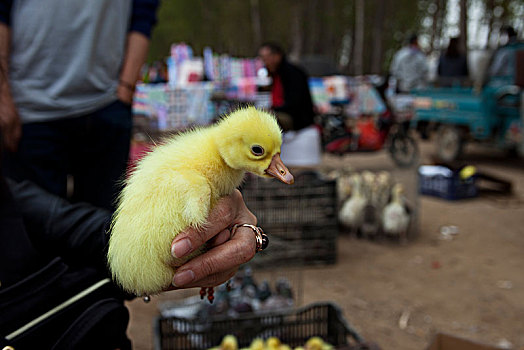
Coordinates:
<point>358,51</point>
<point>296,31</point>
<point>313,19</point>
<point>490,7</point>
<point>328,19</point>
<point>463,25</point>
<point>255,21</point>
<point>504,18</point>
<point>378,28</point>
<point>434,27</point>
<point>443,4</point>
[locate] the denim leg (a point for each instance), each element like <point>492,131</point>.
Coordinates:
<point>100,165</point>
<point>41,156</point>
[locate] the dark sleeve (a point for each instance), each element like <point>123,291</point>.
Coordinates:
<point>298,102</point>
<point>5,11</point>
<point>143,16</point>
<point>296,91</point>
<point>76,232</point>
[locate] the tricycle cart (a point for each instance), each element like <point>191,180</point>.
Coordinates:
<point>491,113</point>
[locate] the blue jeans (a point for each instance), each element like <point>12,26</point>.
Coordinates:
<point>93,149</point>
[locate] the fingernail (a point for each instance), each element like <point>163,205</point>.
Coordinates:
<point>183,278</point>
<point>181,248</point>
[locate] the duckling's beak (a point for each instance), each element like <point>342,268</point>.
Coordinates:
<point>278,169</point>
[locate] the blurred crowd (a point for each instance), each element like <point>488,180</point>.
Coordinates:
<point>411,69</point>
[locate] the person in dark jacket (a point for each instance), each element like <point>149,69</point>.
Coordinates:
<point>291,98</point>
<point>452,64</point>
<point>55,292</point>
<point>55,289</point>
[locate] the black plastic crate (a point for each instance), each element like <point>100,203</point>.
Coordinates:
<point>300,219</point>
<point>292,327</point>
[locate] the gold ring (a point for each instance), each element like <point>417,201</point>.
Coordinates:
<point>262,240</point>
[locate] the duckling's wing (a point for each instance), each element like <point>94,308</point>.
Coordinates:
<point>195,197</point>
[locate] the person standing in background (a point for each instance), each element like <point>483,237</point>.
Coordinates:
<point>410,67</point>
<point>65,104</point>
<point>453,64</point>
<point>291,98</point>
<point>504,58</point>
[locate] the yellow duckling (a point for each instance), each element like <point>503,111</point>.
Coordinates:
<point>273,343</point>
<point>177,184</point>
<point>257,344</point>
<point>229,342</point>
<point>314,343</point>
<point>317,343</point>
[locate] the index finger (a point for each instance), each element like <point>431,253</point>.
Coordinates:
<point>203,270</point>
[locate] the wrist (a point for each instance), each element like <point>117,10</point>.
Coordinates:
<point>5,95</point>
<point>124,94</point>
<point>126,85</point>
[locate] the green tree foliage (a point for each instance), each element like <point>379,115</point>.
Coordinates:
<point>312,27</point>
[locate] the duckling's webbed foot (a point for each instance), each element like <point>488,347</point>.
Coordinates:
<point>210,295</point>
<point>209,292</point>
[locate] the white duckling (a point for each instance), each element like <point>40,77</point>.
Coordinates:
<point>351,214</point>
<point>381,196</point>
<point>368,180</point>
<point>343,188</point>
<point>395,218</point>
<point>371,215</point>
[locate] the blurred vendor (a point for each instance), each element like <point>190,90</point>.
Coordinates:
<point>291,99</point>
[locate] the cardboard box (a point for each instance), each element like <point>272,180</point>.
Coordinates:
<point>449,342</point>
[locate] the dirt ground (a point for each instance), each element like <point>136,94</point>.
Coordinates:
<point>470,286</point>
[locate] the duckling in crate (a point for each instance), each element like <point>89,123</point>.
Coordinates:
<point>383,193</point>
<point>229,342</point>
<point>351,214</point>
<point>343,180</point>
<point>343,188</point>
<point>395,217</point>
<point>371,215</point>
<point>368,182</point>
<point>377,192</point>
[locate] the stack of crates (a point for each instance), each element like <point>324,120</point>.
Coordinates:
<point>292,327</point>
<point>301,222</point>
<point>300,219</point>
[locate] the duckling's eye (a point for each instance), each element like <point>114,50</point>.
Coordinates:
<point>257,150</point>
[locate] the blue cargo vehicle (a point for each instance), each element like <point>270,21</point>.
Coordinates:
<point>491,112</point>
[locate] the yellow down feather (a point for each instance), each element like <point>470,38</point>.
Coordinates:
<point>175,186</point>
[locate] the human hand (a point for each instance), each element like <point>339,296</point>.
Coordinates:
<point>125,92</point>
<point>10,125</point>
<point>225,253</point>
